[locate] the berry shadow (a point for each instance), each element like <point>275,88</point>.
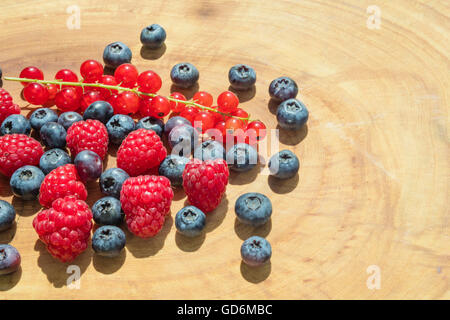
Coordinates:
<point>6,236</point>
<point>112,151</point>
<point>189,244</point>
<point>152,54</point>
<point>108,71</point>
<point>187,92</point>
<point>1,83</point>
<point>5,189</point>
<point>281,186</point>
<point>142,248</point>
<point>292,137</point>
<point>245,231</point>
<point>256,274</point>
<point>273,106</point>
<point>107,265</point>
<point>25,208</point>
<point>244,95</point>
<point>9,281</point>
<point>216,217</point>
<point>178,193</point>
<point>240,178</point>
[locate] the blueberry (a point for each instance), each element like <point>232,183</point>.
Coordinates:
<point>99,110</point>
<point>53,135</point>
<point>66,119</point>
<point>184,75</point>
<point>53,159</point>
<point>284,164</point>
<point>190,221</point>
<point>242,157</point>
<point>89,165</point>
<point>173,122</point>
<point>15,123</point>
<point>253,208</point>
<point>210,150</point>
<point>183,139</point>
<point>42,116</point>
<point>242,77</point>
<point>283,88</point>
<point>119,126</point>
<point>107,211</point>
<point>111,181</point>
<point>151,123</point>
<point>7,215</point>
<point>9,259</point>
<point>115,54</point>
<point>108,241</point>
<point>292,114</point>
<point>26,181</point>
<point>153,36</point>
<point>172,168</point>
<point>256,251</point>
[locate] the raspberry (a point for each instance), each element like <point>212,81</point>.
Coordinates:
<point>205,182</point>
<point>60,182</point>
<point>140,151</point>
<point>18,150</point>
<point>65,228</point>
<point>146,201</point>
<point>88,135</point>
<point>7,107</point>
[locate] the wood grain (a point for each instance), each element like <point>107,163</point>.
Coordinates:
<point>373,187</point>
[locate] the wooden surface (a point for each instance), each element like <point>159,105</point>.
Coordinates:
<point>373,188</point>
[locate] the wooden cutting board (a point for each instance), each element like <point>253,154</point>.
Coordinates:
<point>368,215</point>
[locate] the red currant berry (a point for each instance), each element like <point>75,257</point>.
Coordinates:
<point>126,75</point>
<point>189,113</point>
<point>66,75</point>
<point>149,82</point>
<point>88,98</point>
<point>232,124</point>
<point>35,93</point>
<point>227,101</point>
<point>52,90</point>
<point>113,100</point>
<point>241,113</point>
<point>220,126</point>
<point>177,106</point>
<point>160,106</point>
<point>68,99</point>
<point>31,73</point>
<point>127,103</point>
<point>258,128</point>
<point>109,81</point>
<point>144,106</point>
<point>203,98</point>
<point>203,121</point>
<point>91,70</point>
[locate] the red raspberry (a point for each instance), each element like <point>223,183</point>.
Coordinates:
<point>65,228</point>
<point>140,152</point>
<point>7,107</point>
<point>146,201</point>
<point>60,182</point>
<point>18,150</point>
<point>88,135</point>
<point>205,182</point>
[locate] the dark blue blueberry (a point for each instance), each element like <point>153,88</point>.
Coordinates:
<point>242,77</point>
<point>53,159</point>
<point>190,221</point>
<point>283,88</point>
<point>99,110</point>
<point>256,251</point>
<point>89,165</point>
<point>173,122</point>
<point>9,259</point>
<point>42,116</point>
<point>53,135</point>
<point>253,208</point>
<point>183,138</point>
<point>26,181</point>
<point>172,168</point>
<point>107,211</point>
<point>210,150</point>
<point>119,126</point>
<point>111,181</point>
<point>151,123</point>
<point>184,75</point>
<point>108,241</point>
<point>153,36</point>
<point>115,54</point>
<point>284,164</point>
<point>67,119</point>
<point>242,157</point>
<point>15,123</point>
<point>7,215</point>
<point>292,114</point>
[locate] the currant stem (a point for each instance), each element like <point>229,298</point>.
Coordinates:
<point>119,88</point>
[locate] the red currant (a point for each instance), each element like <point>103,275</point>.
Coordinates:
<point>241,113</point>
<point>35,93</point>
<point>203,98</point>
<point>149,82</point>
<point>189,113</point>
<point>68,99</point>
<point>109,81</point>
<point>66,75</point>
<point>127,103</point>
<point>91,70</point>
<point>126,74</point>
<point>257,129</point>
<point>113,100</point>
<point>160,106</point>
<point>220,126</point>
<point>177,106</point>
<point>203,121</point>
<point>144,106</point>
<point>52,90</point>
<point>227,101</point>
<point>31,73</point>
<point>232,124</point>
<point>88,98</point>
